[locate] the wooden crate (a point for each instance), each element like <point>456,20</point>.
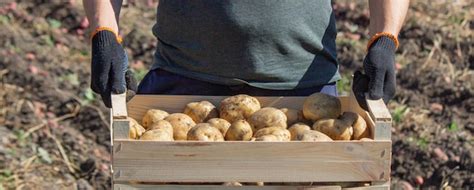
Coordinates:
<point>330,165</point>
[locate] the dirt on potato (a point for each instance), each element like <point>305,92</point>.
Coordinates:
<point>54,131</point>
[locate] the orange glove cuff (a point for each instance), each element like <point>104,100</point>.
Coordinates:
<point>380,34</point>
<point>119,39</point>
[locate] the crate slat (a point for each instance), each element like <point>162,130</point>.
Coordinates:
<point>216,187</point>
<point>251,161</point>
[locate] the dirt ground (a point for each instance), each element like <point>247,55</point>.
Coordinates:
<point>54,131</point>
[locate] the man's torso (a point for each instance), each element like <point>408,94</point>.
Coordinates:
<point>272,44</point>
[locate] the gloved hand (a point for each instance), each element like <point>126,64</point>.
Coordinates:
<point>109,72</point>
<point>379,78</point>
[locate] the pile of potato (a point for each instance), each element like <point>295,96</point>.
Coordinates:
<point>241,118</point>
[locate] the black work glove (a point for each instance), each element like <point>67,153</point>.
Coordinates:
<point>109,73</point>
<point>379,78</point>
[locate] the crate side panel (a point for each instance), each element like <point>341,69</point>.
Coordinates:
<point>217,187</point>
<point>251,161</point>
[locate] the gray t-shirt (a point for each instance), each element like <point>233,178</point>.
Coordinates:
<point>271,44</point>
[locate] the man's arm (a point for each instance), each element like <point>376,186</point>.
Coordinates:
<point>379,80</point>
<point>109,62</point>
<point>103,13</point>
<point>387,16</point>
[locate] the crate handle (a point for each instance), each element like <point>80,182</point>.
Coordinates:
<point>119,106</point>
<point>378,110</point>
<point>379,113</point>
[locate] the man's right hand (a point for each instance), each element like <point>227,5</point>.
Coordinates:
<point>109,67</point>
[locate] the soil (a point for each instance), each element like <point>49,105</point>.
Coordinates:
<point>54,131</point>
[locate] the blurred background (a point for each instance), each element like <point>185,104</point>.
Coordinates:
<point>54,129</point>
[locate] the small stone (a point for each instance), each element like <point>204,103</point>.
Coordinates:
<point>440,154</point>
<point>419,180</point>
<point>398,66</point>
<point>30,56</point>
<point>404,185</point>
<point>436,107</point>
<point>456,158</point>
<point>84,23</point>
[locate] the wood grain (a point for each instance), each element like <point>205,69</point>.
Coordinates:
<point>119,106</point>
<point>382,119</point>
<point>216,187</point>
<point>121,129</point>
<point>251,161</point>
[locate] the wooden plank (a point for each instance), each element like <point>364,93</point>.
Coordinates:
<point>372,187</point>
<point>121,129</point>
<point>349,161</point>
<point>119,108</point>
<point>216,187</point>
<point>379,110</point>
<point>382,119</point>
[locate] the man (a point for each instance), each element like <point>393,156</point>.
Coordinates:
<point>256,47</point>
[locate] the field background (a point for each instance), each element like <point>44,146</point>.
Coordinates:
<point>54,130</point>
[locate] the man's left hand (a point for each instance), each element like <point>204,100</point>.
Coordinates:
<point>379,78</point>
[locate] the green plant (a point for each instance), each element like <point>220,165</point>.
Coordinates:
<point>422,143</point>
<point>139,74</point>
<point>4,19</point>
<point>344,84</point>
<point>399,113</point>
<point>48,40</point>
<point>89,96</point>
<point>53,23</point>
<point>71,78</point>
<point>20,137</point>
<point>44,155</point>
<point>453,126</point>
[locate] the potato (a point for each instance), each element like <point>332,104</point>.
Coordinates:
<point>201,111</point>
<point>152,116</point>
<point>336,129</point>
<point>358,124</point>
<point>181,124</point>
<point>267,117</point>
<point>297,130</point>
<point>204,132</point>
<point>313,136</point>
<point>164,125</point>
<point>321,106</point>
<point>221,124</point>
<point>238,107</point>
<point>281,133</point>
<point>135,129</point>
<point>293,116</point>
<point>239,130</point>
<point>157,135</point>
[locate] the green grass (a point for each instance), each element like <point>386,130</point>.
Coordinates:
<point>53,23</point>
<point>139,74</point>
<point>344,84</point>
<point>453,126</point>
<point>422,143</point>
<point>399,113</point>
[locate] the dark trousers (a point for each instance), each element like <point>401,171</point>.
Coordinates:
<point>159,81</point>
